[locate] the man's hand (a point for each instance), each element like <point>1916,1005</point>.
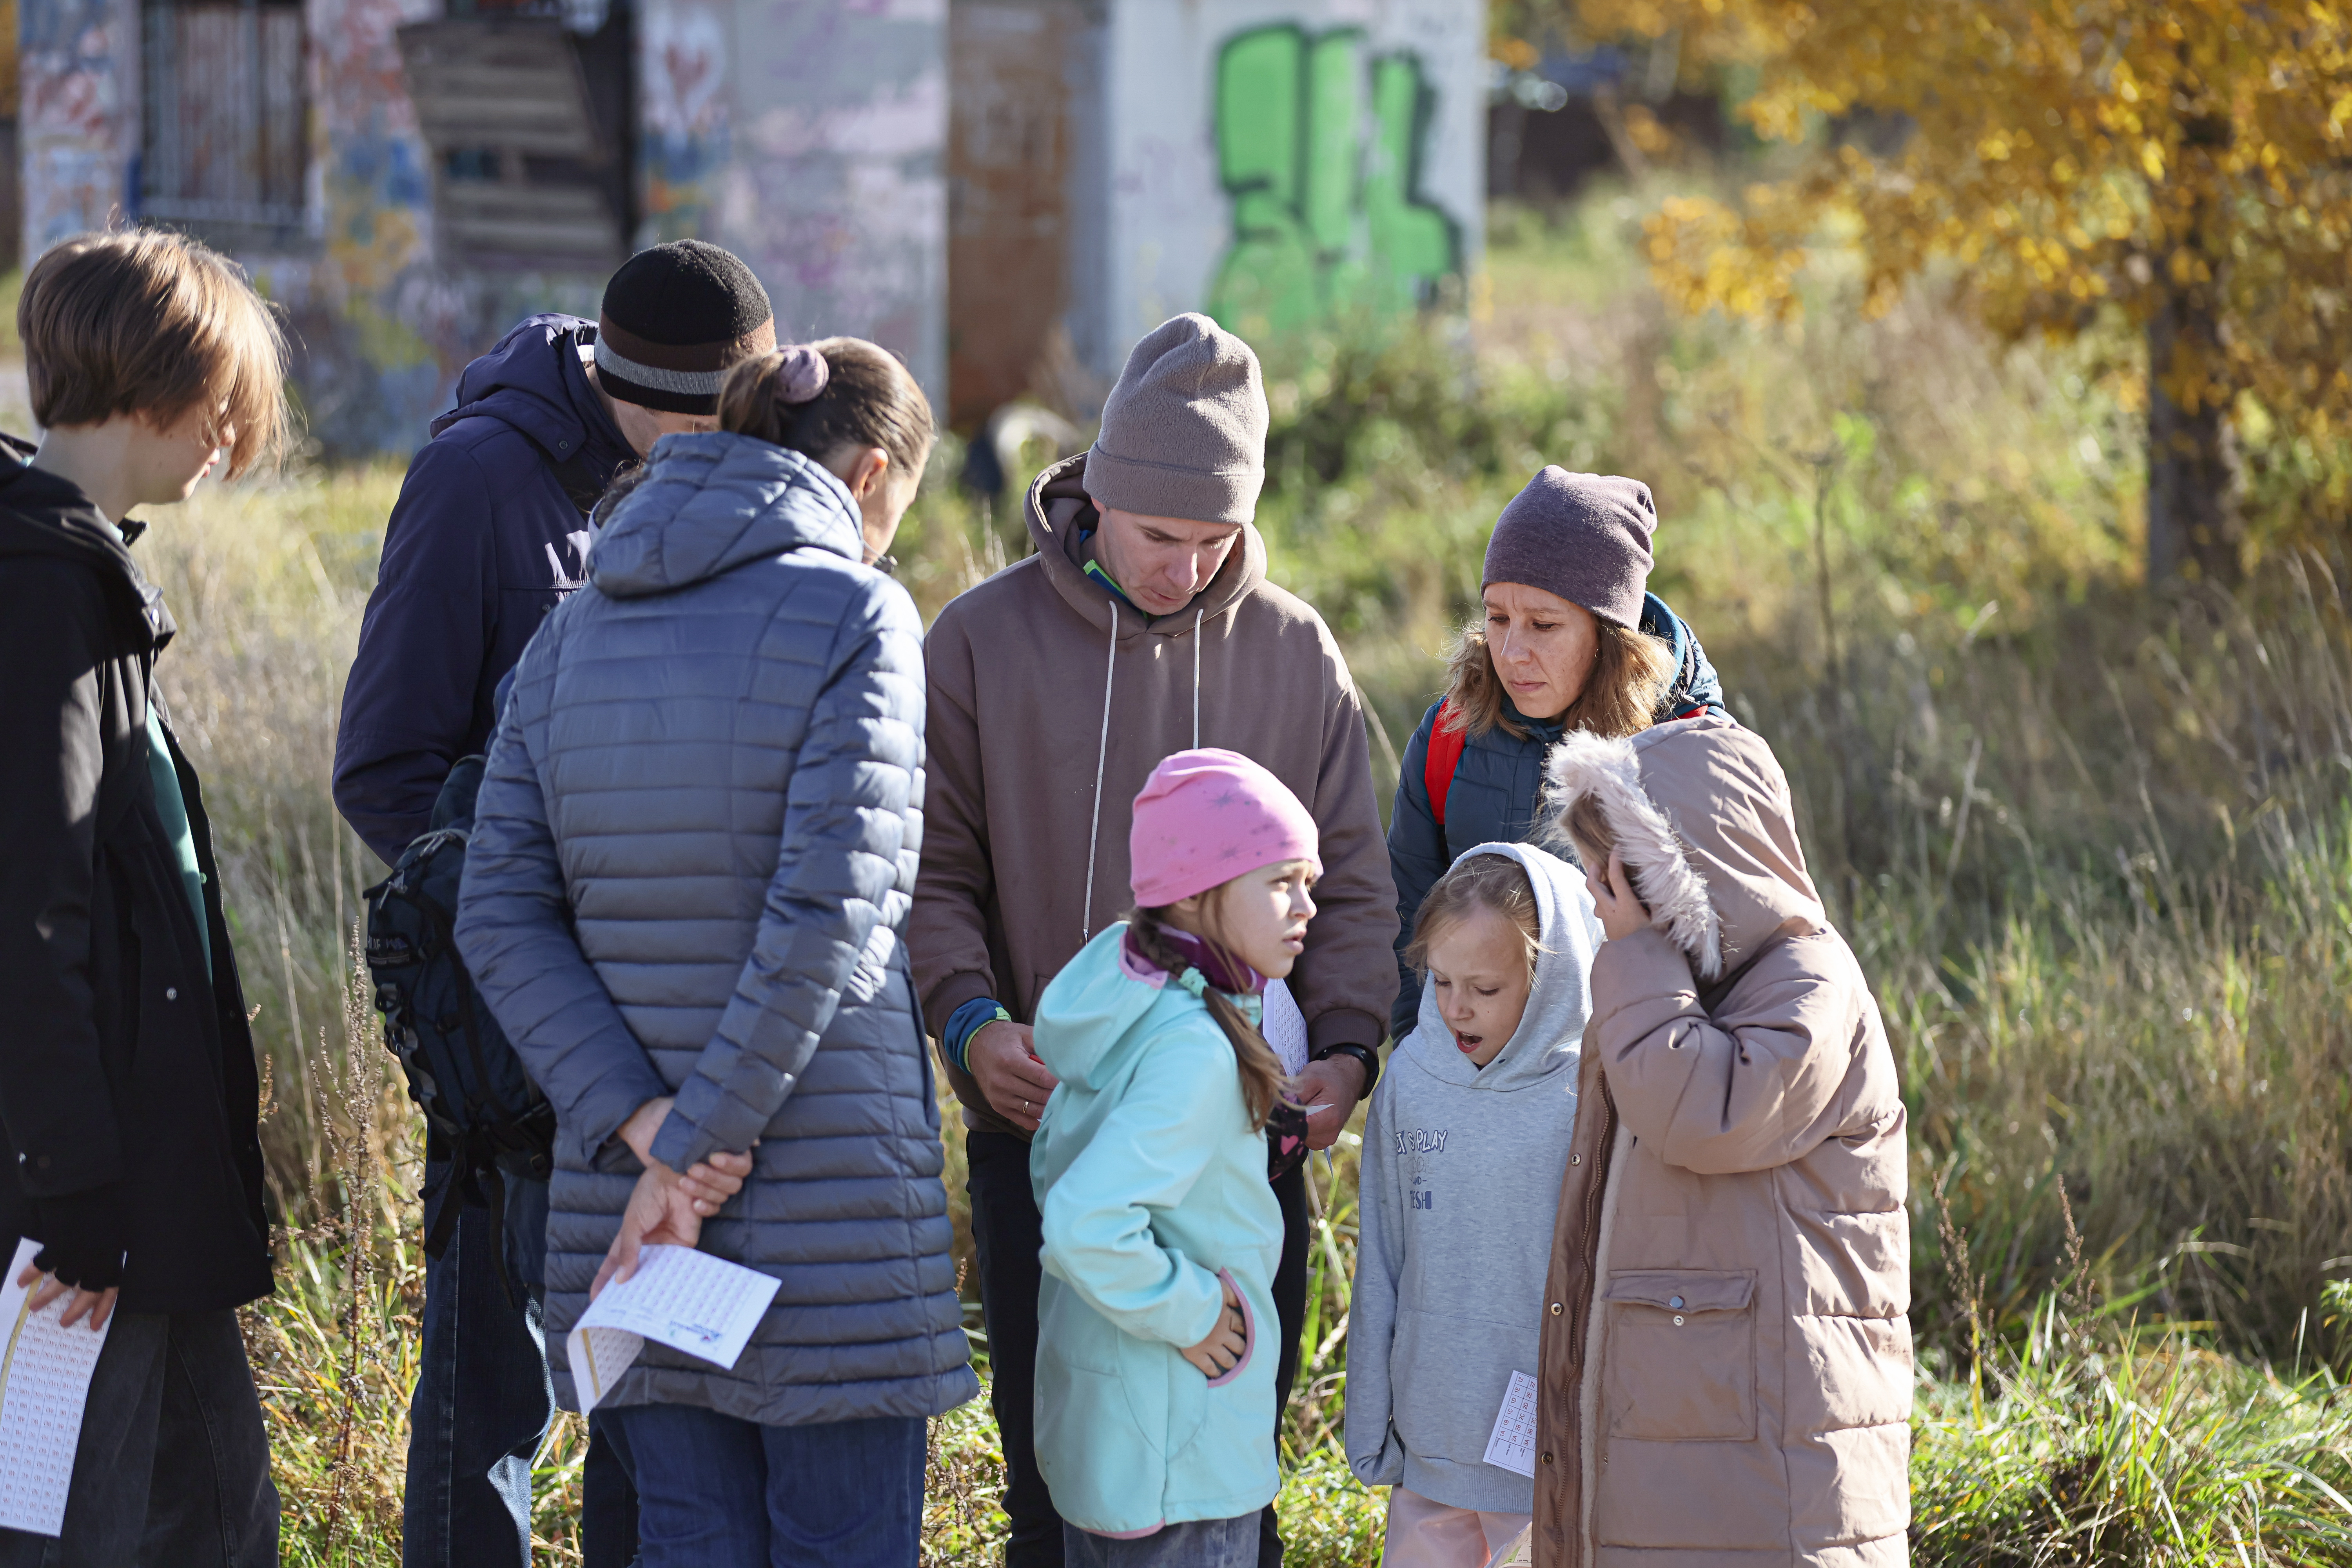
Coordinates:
<point>1621,914</point>
<point>707,1183</point>
<point>1015,1083</point>
<point>1335,1082</point>
<point>1225,1345</point>
<point>96,1305</point>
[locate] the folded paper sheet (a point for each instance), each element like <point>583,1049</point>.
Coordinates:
<point>678,1297</point>
<point>1285,1027</point>
<point>1513,1444</point>
<point>44,1382</point>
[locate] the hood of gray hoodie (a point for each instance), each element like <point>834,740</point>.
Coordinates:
<point>1461,1178</point>
<point>713,501</point>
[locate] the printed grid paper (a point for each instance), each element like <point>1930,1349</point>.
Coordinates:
<point>678,1297</point>
<point>44,1382</point>
<point>1513,1445</point>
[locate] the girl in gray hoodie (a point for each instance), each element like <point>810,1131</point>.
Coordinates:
<point>1463,1150</point>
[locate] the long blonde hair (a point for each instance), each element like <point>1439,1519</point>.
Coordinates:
<point>1631,672</point>
<point>1262,1075</point>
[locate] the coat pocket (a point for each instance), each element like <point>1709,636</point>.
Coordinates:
<point>1681,1355</point>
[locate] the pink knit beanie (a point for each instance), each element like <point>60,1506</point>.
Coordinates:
<point>1207,816</point>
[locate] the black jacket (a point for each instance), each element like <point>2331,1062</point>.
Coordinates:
<point>122,1061</point>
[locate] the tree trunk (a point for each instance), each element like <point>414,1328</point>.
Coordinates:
<point>2193,526</point>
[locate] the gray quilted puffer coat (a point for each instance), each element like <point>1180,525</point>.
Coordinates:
<point>690,868</point>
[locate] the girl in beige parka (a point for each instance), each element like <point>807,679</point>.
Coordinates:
<point>1726,1363</point>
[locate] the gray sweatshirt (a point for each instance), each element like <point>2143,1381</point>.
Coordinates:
<point>1461,1178</point>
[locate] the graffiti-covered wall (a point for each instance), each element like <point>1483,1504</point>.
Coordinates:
<point>77,73</point>
<point>809,136</point>
<point>806,135</point>
<point>1278,161</point>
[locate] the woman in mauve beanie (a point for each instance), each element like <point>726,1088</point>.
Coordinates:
<point>677,317</point>
<point>1568,637</point>
<point>1183,433</point>
<point>1585,537</point>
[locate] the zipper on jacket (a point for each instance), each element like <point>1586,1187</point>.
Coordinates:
<point>1580,1293</point>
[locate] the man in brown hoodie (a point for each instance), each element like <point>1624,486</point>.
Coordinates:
<point>1143,624</point>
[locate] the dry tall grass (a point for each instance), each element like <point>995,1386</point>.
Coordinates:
<point>2095,853</point>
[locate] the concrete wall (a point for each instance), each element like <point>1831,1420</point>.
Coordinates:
<point>78,124</point>
<point>807,135</point>
<point>1279,162</point>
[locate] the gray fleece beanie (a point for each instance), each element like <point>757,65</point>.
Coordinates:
<point>1581,536</point>
<point>1184,434</point>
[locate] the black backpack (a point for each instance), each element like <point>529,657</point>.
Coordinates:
<point>488,1116</point>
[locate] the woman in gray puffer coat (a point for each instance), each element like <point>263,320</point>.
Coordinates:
<point>691,862</point>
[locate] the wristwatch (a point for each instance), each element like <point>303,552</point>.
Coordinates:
<point>1364,1054</point>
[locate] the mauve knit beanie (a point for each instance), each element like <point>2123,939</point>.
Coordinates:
<point>1183,433</point>
<point>1585,537</point>
<point>676,319</point>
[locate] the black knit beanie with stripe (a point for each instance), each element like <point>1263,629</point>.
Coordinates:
<point>677,317</point>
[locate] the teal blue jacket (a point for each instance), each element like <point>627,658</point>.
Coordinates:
<point>1152,1184</point>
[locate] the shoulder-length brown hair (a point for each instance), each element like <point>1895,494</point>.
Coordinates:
<point>1631,672</point>
<point>150,323</point>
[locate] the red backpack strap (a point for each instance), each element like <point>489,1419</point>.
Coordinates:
<point>1444,756</point>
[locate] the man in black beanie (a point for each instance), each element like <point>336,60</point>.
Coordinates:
<point>490,532</point>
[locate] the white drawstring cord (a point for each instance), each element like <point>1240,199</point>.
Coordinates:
<point>1102,755</point>
<point>1196,677</point>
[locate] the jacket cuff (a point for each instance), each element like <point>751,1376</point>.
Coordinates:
<point>1344,1026</point>
<point>679,1143</point>
<point>1634,968</point>
<point>66,1176</point>
<point>598,1116</point>
<point>963,985</point>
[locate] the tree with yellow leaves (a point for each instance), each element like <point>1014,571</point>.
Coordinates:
<point>2186,163</point>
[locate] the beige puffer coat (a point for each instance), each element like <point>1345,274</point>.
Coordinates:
<point>1727,1364</point>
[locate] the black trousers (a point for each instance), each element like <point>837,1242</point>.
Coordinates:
<point>172,1466</point>
<point>1007,1232</point>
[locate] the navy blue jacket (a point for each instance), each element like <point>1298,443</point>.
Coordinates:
<point>1497,787</point>
<point>490,534</point>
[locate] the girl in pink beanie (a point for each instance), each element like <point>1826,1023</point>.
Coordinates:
<point>1155,1398</point>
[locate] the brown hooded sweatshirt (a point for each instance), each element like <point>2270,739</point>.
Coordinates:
<point>1726,1363</point>
<point>1051,703</point>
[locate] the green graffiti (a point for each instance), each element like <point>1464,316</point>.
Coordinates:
<point>1322,221</point>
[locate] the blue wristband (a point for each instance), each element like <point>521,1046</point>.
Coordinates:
<point>967,1021</point>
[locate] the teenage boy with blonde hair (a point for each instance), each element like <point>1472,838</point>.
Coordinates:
<point>127,1090</point>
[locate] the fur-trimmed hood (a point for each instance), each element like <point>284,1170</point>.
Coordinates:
<point>1704,821</point>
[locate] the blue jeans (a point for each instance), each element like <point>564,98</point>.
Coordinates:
<point>482,1407</point>
<point>1197,1543</point>
<point>716,1492</point>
